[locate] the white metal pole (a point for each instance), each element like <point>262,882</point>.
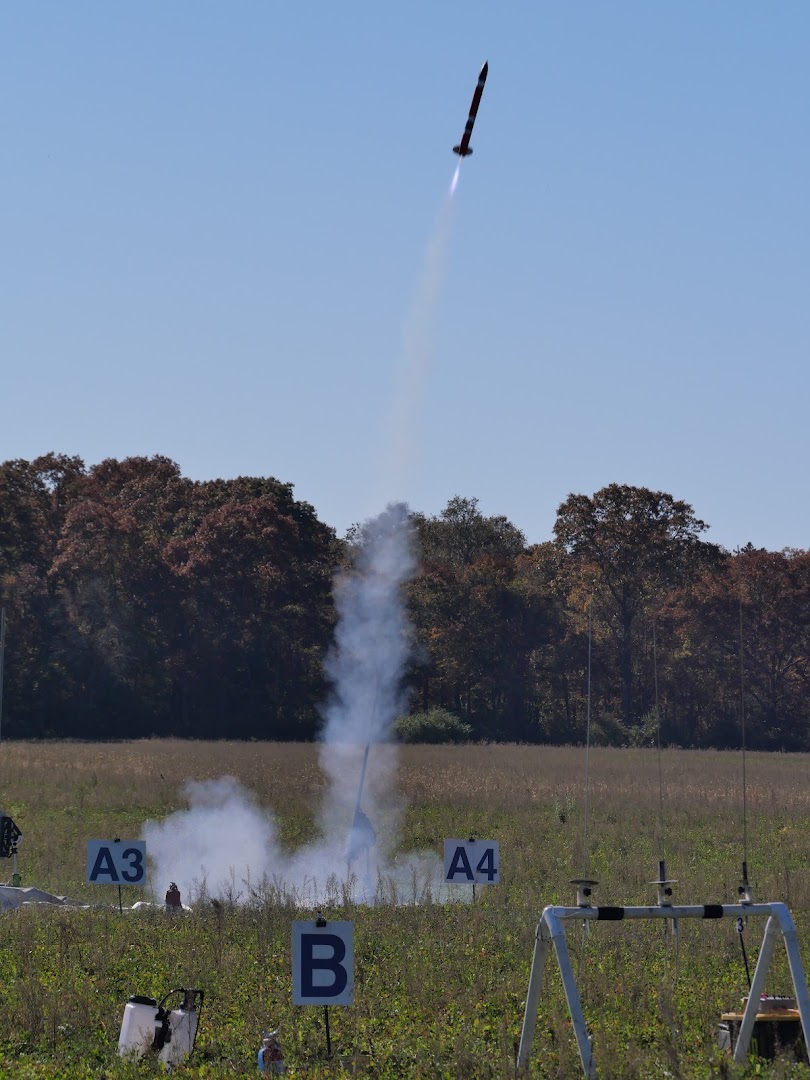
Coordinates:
<point>796,968</point>
<point>533,995</point>
<point>571,994</point>
<point>755,992</point>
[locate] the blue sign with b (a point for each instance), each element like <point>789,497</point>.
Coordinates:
<point>323,963</point>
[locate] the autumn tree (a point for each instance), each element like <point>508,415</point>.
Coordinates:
<point>34,499</point>
<point>142,602</point>
<point>559,656</point>
<point>479,618</point>
<point>629,545</point>
<point>741,636</point>
<point>119,593</point>
<point>256,575</point>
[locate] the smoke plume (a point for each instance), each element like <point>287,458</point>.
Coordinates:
<point>419,334</point>
<point>367,663</point>
<point>225,843</point>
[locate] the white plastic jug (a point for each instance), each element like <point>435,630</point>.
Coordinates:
<point>138,1026</point>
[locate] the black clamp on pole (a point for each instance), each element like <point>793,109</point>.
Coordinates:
<point>664,885</point>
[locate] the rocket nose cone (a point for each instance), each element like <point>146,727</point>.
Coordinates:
<point>484,71</point>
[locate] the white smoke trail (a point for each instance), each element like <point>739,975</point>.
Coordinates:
<point>373,637</point>
<point>418,341</point>
<point>367,665</point>
<point>225,843</point>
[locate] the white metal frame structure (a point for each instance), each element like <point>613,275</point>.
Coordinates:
<point>551,931</point>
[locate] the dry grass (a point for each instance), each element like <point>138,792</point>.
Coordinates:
<point>64,786</point>
<point>152,771</point>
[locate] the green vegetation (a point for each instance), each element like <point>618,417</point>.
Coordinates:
<point>439,988</point>
<point>437,725</point>
<point>142,603</point>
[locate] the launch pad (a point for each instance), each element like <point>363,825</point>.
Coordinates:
<point>551,932</point>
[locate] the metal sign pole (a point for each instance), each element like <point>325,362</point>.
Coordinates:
<point>328,1036</point>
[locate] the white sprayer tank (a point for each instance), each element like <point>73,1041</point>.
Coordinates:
<point>183,1031</point>
<point>138,1026</point>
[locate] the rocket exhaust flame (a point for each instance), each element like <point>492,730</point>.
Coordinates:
<point>454,181</point>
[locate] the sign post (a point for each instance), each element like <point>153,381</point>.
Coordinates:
<point>323,966</point>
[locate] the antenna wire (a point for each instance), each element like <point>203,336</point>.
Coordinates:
<point>587,743</point>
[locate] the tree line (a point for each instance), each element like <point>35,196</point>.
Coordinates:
<point>140,602</point>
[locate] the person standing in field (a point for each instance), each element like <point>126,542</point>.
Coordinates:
<point>173,901</point>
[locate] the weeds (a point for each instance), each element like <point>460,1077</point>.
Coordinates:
<point>440,987</point>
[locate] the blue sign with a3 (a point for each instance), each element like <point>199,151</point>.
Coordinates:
<point>116,862</point>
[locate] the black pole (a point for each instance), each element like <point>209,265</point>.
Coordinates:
<point>472,841</point>
<point>740,931</point>
<point>328,1036</point>
<point>117,840</point>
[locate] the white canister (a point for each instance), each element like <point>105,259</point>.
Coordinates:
<point>138,1026</point>
<point>182,1033</point>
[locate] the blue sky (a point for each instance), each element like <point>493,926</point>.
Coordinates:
<point>214,218</point>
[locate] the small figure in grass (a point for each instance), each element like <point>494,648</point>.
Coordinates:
<point>173,901</point>
<point>271,1058</point>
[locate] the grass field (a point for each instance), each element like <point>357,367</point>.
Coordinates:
<point>439,988</point>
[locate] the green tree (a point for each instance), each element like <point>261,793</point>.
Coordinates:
<point>140,601</point>
<point>35,497</point>
<point>479,619</point>
<point>257,579</point>
<point>461,535</point>
<point>628,547</point>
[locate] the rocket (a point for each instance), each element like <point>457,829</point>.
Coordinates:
<point>464,149</point>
